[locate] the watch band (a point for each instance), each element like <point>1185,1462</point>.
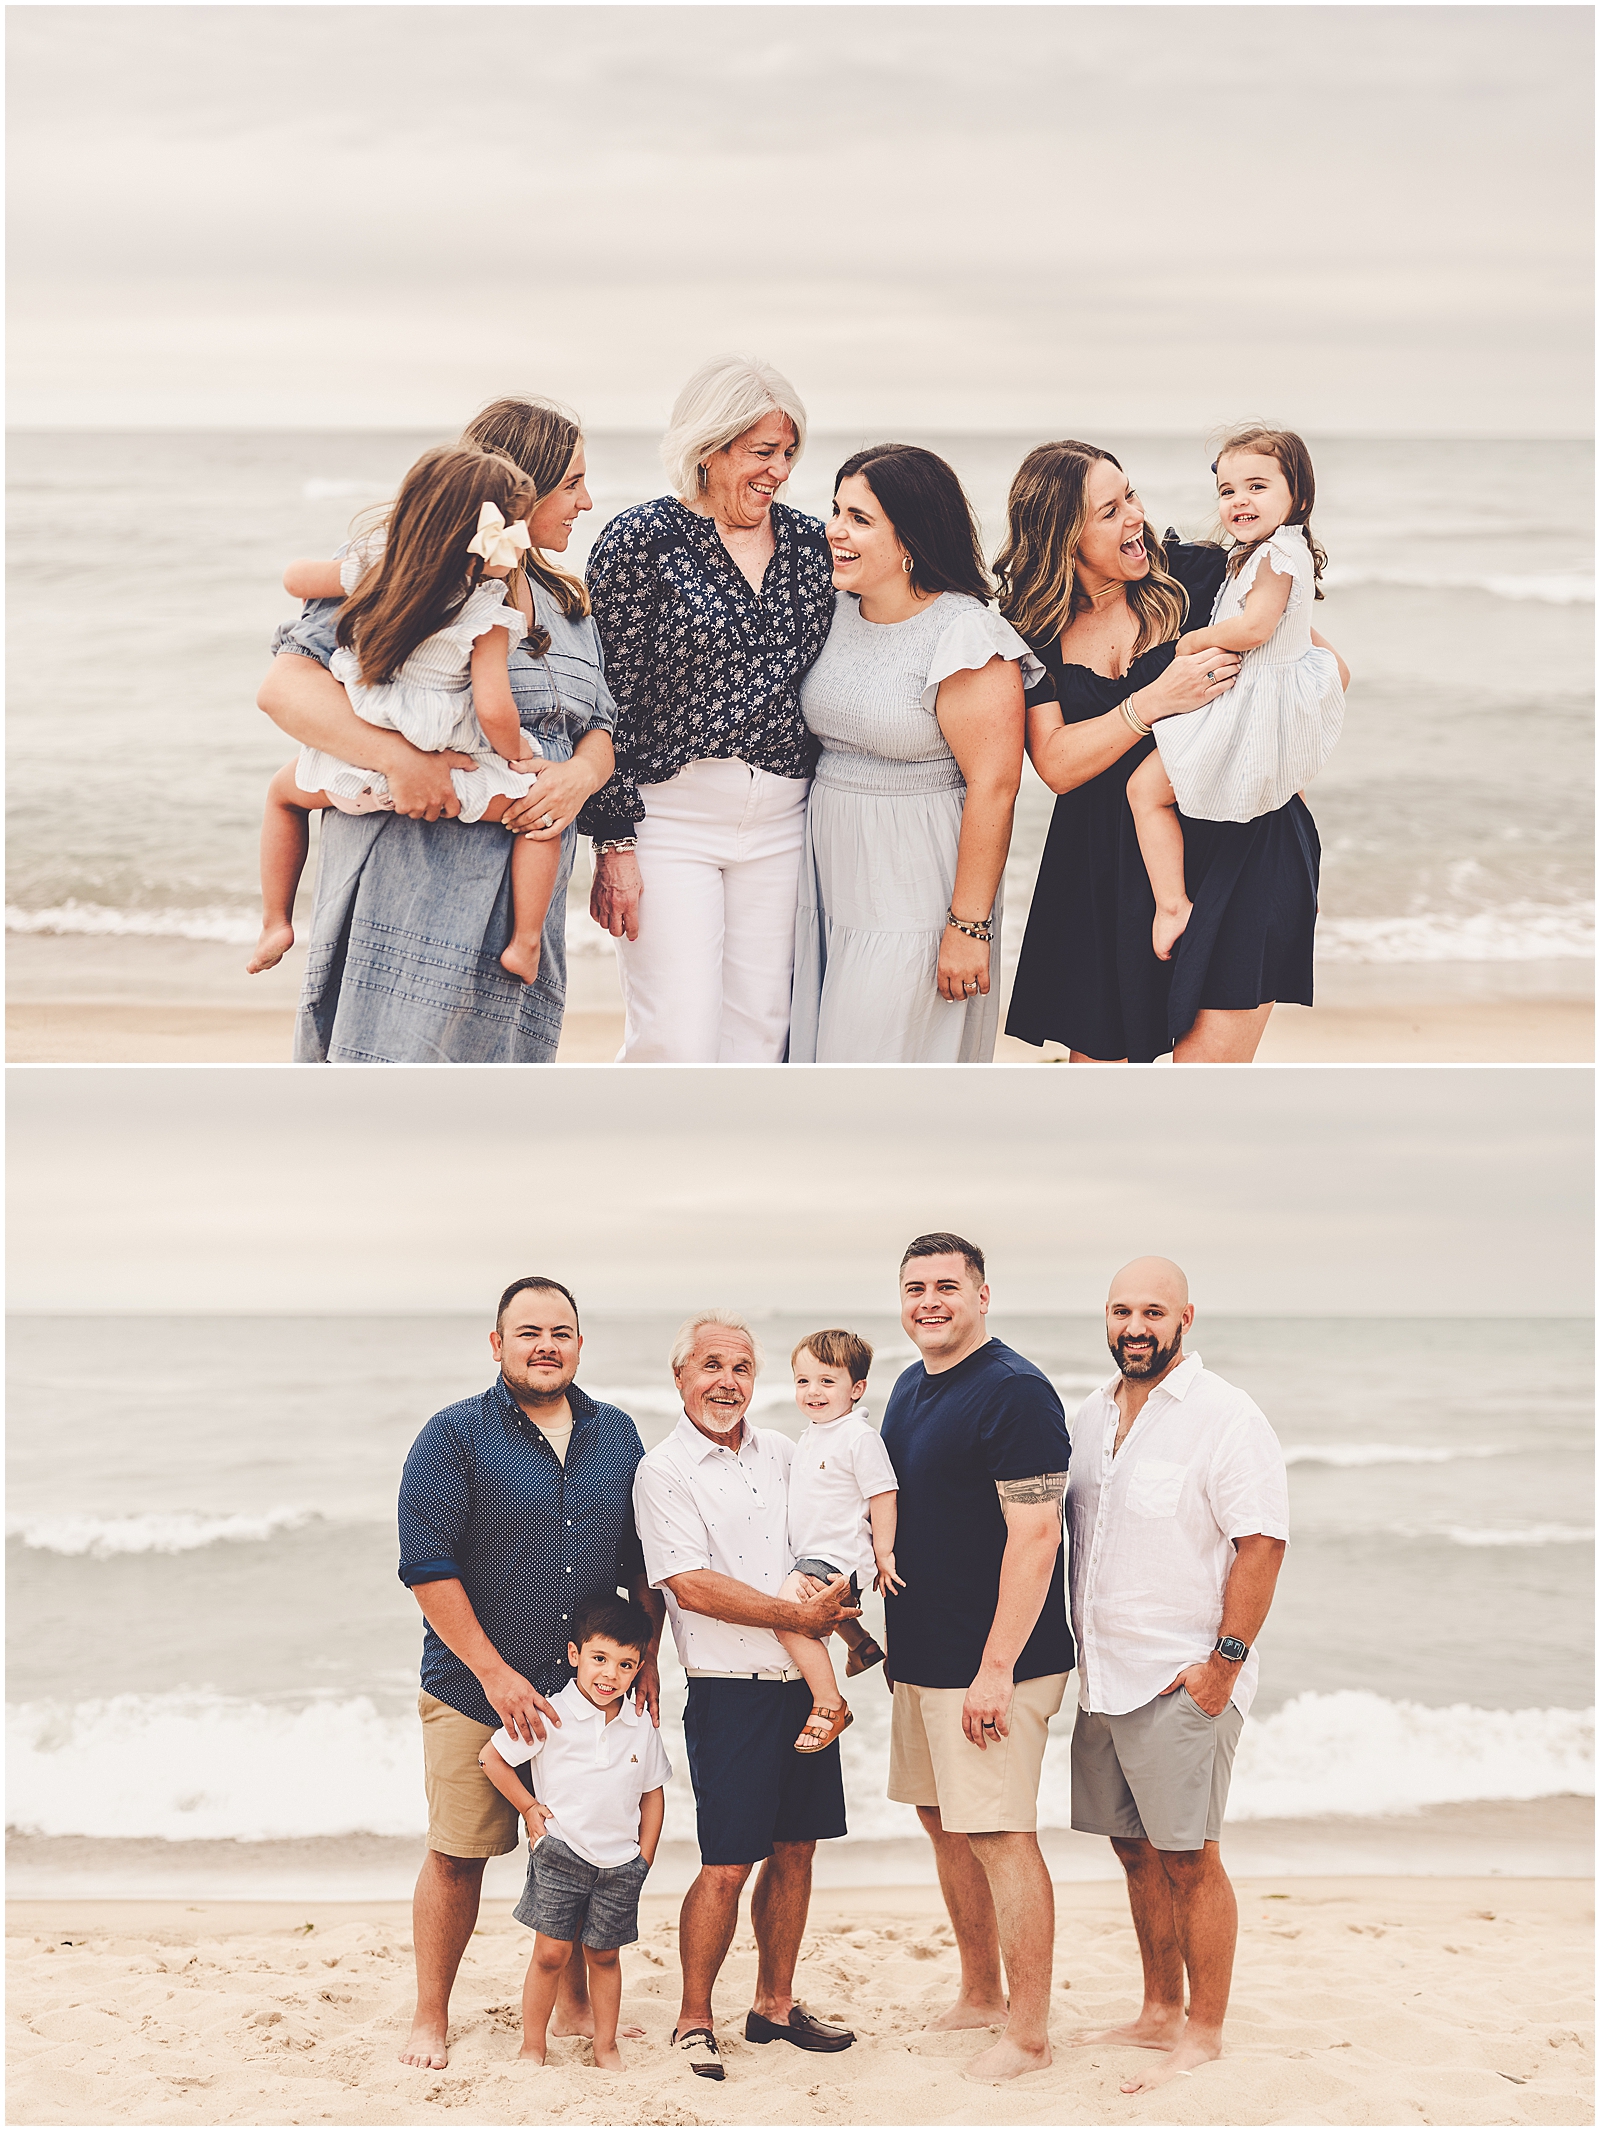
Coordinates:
<point>1230,1647</point>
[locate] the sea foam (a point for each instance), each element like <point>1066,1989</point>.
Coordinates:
<point>201,1766</point>
<point>1353,1454</point>
<point>166,1532</point>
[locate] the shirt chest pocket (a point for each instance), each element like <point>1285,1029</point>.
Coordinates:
<point>1154,1486</point>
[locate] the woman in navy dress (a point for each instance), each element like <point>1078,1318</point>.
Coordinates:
<point>1101,604</point>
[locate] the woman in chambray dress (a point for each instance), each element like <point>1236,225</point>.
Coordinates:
<point>402,965</point>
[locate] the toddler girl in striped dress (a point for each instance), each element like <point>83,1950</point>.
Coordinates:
<point>430,616</point>
<point>1248,752</point>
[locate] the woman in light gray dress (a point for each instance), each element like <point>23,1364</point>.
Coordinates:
<point>917,701</point>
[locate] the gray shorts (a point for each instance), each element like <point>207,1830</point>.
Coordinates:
<point>1159,1773</point>
<point>568,1898</point>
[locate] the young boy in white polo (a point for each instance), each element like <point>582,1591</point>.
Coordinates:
<point>594,1818</point>
<point>842,1505</point>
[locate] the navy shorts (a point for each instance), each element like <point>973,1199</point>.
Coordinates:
<point>751,1789</point>
<point>568,1898</point>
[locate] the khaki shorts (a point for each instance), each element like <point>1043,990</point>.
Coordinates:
<point>467,1817</point>
<point>988,1790</point>
<point>1159,1774</point>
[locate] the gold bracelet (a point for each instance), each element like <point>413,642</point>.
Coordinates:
<point>1131,716</point>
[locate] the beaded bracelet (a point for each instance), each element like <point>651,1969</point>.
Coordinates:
<point>1133,718</point>
<point>982,929</point>
<point>616,843</point>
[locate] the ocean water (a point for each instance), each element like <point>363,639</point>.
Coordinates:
<point>1456,815</point>
<point>206,1639</point>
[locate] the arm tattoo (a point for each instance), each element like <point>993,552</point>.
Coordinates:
<point>1043,1487</point>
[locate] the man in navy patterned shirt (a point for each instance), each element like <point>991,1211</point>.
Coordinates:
<point>515,1508</point>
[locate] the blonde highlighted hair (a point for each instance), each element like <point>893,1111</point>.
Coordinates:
<point>543,439</point>
<point>1294,462</point>
<point>726,396</point>
<point>1036,570</point>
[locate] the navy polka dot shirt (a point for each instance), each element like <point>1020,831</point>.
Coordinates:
<point>484,1498</point>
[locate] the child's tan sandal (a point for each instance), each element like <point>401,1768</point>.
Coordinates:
<point>863,1656</point>
<point>815,1737</point>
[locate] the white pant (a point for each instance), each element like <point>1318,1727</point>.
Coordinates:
<point>707,981</point>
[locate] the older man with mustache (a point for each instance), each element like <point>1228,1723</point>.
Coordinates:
<point>711,1504</point>
<point>1177,1519</point>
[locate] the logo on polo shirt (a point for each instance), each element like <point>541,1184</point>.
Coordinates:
<point>634,1758</point>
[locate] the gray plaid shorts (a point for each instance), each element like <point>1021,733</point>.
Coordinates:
<point>568,1898</point>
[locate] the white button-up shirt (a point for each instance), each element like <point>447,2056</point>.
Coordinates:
<point>1150,1531</point>
<point>698,1506</point>
<point>592,1774</point>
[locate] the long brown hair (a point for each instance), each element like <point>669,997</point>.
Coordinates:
<point>1047,511</point>
<point>423,574</point>
<point>543,440</point>
<point>1294,462</point>
<point>924,501</point>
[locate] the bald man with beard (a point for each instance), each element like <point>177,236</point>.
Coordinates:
<point>1177,1518</point>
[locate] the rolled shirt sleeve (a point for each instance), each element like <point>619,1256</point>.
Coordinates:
<point>622,592</point>
<point>435,1504</point>
<point>1247,1485</point>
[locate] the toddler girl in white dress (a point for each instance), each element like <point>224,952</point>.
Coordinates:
<point>429,620</point>
<point>1248,752</point>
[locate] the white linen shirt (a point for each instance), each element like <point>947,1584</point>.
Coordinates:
<point>699,1506</point>
<point>1150,1531</point>
<point>592,1774</point>
<point>838,1466</point>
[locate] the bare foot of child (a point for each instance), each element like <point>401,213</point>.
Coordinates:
<point>1168,928</point>
<point>607,2058</point>
<point>273,945</point>
<point>521,959</point>
<point>531,2053</point>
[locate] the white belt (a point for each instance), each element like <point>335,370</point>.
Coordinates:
<point>772,1672</point>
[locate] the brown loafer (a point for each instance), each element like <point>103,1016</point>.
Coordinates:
<point>801,2028</point>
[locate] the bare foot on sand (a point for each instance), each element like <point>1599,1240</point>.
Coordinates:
<point>966,2014</point>
<point>1181,2063</point>
<point>531,2053</point>
<point>1151,2031</point>
<point>1005,2060</point>
<point>521,959</point>
<point>1168,928</point>
<point>608,2060</point>
<point>273,945</point>
<point>581,2024</point>
<point>425,2047</point>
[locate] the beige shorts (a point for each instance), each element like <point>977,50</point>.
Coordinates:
<point>467,1817</point>
<point>989,1790</point>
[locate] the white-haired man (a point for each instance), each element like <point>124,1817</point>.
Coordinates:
<point>1177,1516</point>
<point>712,603</point>
<point>711,1507</point>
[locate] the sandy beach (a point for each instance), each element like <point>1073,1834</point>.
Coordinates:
<point>76,1000</point>
<point>1356,2001</point>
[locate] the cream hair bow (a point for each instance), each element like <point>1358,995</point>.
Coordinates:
<point>500,545</point>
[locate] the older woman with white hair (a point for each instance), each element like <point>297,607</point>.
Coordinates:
<point>711,605</point>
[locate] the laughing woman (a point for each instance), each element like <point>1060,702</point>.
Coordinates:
<point>917,700</point>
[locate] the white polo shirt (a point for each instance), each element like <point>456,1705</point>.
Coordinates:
<point>1150,1531</point>
<point>698,1506</point>
<point>838,1466</point>
<point>592,1774</point>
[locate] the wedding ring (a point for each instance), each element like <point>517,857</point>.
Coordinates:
<point>1210,676</point>
<point>545,822</point>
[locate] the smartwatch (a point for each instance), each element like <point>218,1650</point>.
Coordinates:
<point>1230,1647</point>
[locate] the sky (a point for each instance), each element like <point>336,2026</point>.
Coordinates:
<point>1361,1191</point>
<point>1352,219</point>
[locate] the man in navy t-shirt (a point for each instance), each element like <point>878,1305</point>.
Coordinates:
<point>979,1646</point>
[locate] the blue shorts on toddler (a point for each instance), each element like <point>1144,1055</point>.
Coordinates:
<point>568,1898</point>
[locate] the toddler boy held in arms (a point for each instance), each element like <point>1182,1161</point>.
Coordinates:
<point>842,1510</point>
<point>594,1818</point>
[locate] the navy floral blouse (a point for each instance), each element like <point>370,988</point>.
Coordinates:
<point>700,665</point>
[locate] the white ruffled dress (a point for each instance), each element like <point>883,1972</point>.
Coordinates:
<point>429,702</point>
<point>1251,750</point>
<point>882,827</point>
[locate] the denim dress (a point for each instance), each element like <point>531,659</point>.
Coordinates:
<point>403,962</point>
